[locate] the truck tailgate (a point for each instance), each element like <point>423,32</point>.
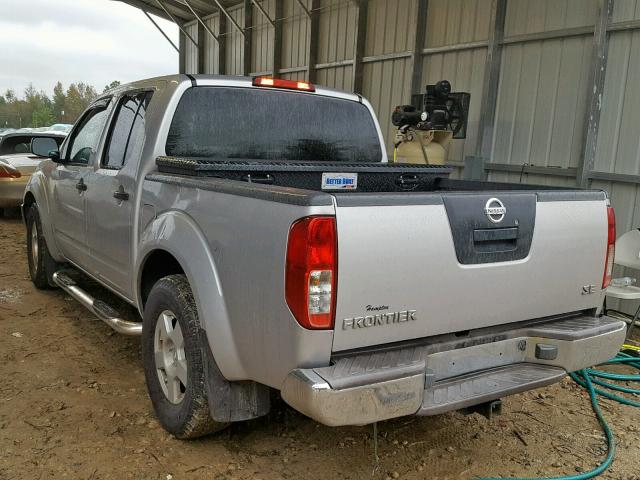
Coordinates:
<point>442,265</point>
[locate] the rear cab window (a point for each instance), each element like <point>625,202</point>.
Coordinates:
<point>267,124</point>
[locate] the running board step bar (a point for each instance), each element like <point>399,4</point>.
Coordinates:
<point>467,390</point>
<point>100,309</point>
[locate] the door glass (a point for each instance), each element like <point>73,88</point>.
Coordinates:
<point>127,134</point>
<point>85,140</point>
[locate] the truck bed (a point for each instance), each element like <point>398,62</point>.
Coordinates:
<point>427,246</point>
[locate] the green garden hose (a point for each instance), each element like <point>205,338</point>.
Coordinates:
<point>587,378</point>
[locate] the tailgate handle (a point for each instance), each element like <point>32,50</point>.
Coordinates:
<point>407,181</point>
<point>495,234</point>
<point>263,178</point>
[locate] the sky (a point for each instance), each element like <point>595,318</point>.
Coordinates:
<point>91,41</point>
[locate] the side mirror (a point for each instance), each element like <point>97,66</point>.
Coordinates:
<point>54,155</point>
<point>43,146</point>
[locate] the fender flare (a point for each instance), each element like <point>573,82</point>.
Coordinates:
<point>177,233</point>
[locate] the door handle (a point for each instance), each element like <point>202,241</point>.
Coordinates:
<point>81,186</point>
<point>120,194</point>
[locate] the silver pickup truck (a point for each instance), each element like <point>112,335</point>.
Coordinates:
<point>266,243</point>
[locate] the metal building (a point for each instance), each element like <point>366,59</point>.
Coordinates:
<point>555,84</point>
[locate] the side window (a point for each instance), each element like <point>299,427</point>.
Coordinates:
<point>127,132</point>
<point>85,139</point>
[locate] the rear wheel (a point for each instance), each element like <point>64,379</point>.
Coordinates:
<point>41,265</point>
<point>173,360</point>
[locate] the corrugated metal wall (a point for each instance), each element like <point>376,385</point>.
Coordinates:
<point>451,23</point>
<point>332,48</point>
<point>212,53</point>
<point>544,83</point>
<point>262,38</point>
<point>387,80</point>
<point>295,40</point>
<point>191,51</point>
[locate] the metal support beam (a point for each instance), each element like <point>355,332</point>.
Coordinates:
<point>458,47</point>
<point>304,8</point>
<point>161,31</point>
<point>179,24</point>
<point>622,26</point>
<point>597,77</point>
<point>204,7</point>
<point>314,30</point>
<point>222,44</point>
<point>182,60</point>
<point>201,50</point>
<point>277,38</point>
<point>145,7</point>
<point>248,44</point>
<point>361,37</point>
<point>615,177</point>
<point>418,44</point>
<point>491,79</point>
<point>530,169</point>
<point>202,24</point>
<point>264,12</point>
<point>228,15</point>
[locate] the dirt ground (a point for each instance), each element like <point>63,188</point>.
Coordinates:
<point>73,404</point>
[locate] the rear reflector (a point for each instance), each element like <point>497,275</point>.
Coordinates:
<point>280,83</point>
<point>611,247</point>
<point>7,171</point>
<point>311,271</point>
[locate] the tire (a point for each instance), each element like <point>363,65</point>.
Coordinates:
<point>41,265</point>
<point>180,404</point>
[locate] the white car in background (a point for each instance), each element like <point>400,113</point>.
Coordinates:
<point>17,163</point>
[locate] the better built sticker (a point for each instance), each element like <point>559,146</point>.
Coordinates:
<point>339,181</point>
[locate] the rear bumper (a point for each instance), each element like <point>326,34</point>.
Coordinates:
<point>450,373</point>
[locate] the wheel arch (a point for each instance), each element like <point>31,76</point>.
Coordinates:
<point>157,264</point>
<point>29,199</point>
<point>36,193</point>
<point>174,243</point>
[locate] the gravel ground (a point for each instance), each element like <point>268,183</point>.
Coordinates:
<point>73,404</point>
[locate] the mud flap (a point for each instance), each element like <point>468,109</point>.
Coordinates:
<point>231,401</point>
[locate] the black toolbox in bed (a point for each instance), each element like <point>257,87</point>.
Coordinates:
<point>327,176</point>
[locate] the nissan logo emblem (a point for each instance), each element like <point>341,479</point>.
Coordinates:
<point>494,210</point>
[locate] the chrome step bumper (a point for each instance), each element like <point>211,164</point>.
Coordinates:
<point>474,388</point>
<point>433,378</point>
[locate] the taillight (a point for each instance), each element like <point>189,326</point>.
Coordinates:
<point>7,171</point>
<point>281,83</point>
<point>611,247</point>
<point>311,271</point>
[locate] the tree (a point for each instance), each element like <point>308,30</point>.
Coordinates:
<point>58,103</point>
<point>77,99</point>
<point>42,117</point>
<point>114,84</point>
<point>36,109</point>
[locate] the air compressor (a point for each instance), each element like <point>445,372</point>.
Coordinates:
<point>427,127</point>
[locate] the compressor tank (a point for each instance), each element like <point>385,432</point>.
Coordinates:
<point>423,147</point>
